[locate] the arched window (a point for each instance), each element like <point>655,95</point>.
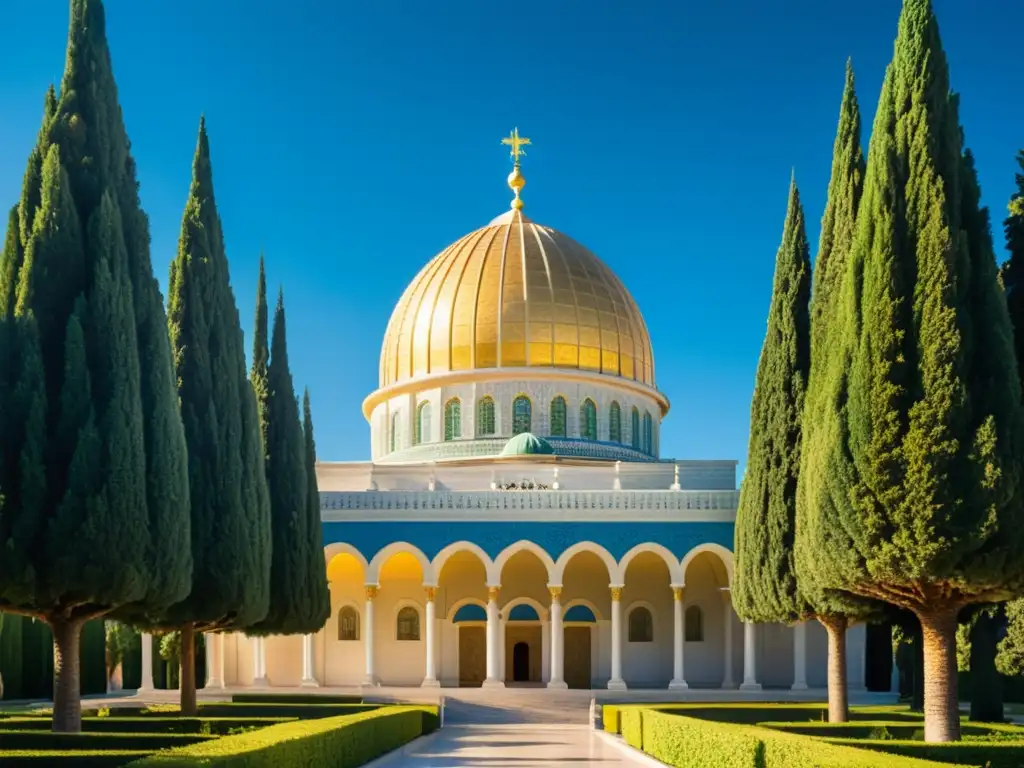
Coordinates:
<point>635,424</point>
<point>408,624</point>
<point>422,426</point>
<point>694,624</point>
<point>558,417</point>
<point>588,420</point>
<point>522,415</point>
<point>648,433</point>
<point>641,625</point>
<point>485,416</point>
<point>348,624</point>
<point>615,422</point>
<point>453,419</point>
<point>394,432</point>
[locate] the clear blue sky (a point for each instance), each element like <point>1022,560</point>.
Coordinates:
<point>354,140</point>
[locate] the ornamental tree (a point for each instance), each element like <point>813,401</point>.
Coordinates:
<point>919,457</point>
<point>296,607</point>
<point>231,541</point>
<point>319,593</point>
<point>95,507</point>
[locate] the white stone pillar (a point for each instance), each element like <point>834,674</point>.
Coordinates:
<point>678,682</point>
<point>371,672</point>
<point>308,675</point>
<point>430,676</point>
<point>728,683</point>
<point>750,658</point>
<point>557,679</point>
<point>493,659</point>
<point>259,663</point>
<point>856,651</point>
<point>799,657</point>
<point>214,661</point>
<point>502,626</point>
<point>147,663</point>
<point>616,683</point>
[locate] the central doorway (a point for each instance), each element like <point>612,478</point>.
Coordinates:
<point>521,663</point>
<point>472,656</point>
<point>577,657</point>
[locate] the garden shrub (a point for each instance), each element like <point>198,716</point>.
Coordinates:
<point>885,730</point>
<point>41,739</point>
<point>339,742</point>
<point>991,754</point>
<point>204,725</point>
<point>272,709</point>
<point>293,698</point>
<point>631,723</point>
<point>81,759</point>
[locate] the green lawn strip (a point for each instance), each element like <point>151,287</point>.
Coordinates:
<point>42,739</point>
<point>893,729</point>
<point>273,709</point>
<point>118,724</point>
<point>293,698</point>
<point>991,754</point>
<point>679,740</point>
<point>340,742</point>
<point>83,759</point>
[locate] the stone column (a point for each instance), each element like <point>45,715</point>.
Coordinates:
<point>371,671</point>
<point>430,677</point>
<point>259,663</point>
<point>728,683</point>
<point>557,679</point>
<point>308,676</point>
<point>616,683</point>
<point>214,661</point>
<point>147,663</point>
<point>678,637</point>
<point>856,650</point>
<point>493,659</point>
<point>750,658</point>
<point>799,657</point>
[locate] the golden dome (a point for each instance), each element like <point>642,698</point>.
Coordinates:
<point>516,294</point>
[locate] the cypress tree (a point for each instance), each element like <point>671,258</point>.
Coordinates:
<point>920,457</point>
<point>765,588</point>
<point>230,511</point>
<point>95,512</point>
<point>261,354</point>
<point>832,609</point>
<point>320,595</point>
<point>298,558</point>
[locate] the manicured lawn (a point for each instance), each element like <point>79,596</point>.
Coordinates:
<point>250,731</point>
<point>798,736</point>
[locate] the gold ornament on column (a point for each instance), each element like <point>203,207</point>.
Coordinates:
<point>492,593</point>
<point>556,592</point>
<point>371,591</point>
<point>616,593</point>
<point>677,593</point>
<point>516,181</point>
<point>431,594</point>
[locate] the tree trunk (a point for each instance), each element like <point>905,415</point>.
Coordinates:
<point>941,703</point>
<point>986,684</point>
<point>67,678</point>
<point>187,678</point>
<point>838,704</point>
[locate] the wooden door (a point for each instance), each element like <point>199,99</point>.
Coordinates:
<point>472,656</point>
<point>577,657</point>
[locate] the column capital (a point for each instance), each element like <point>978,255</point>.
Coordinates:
<point>616,593</point>
<point>371,591</point>
<point>431,593</point>
<point>677,593</point>
<point>556,592</point>
<point>492,593</point>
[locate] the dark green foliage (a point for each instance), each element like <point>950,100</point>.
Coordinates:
<point>230,511</point>
<point>34,739</point>
<point>92,454</point>
<point>146,723</point>
<point>921,456</point>
<point>26,658</point>
<point>987,696</point>
<point>261,354</point>
<point>299,602</point>
<point>319,596</point>
<point>293,698</point>
<point>765,589</point>
<point>1013,269</point>
<point>1010,655</point>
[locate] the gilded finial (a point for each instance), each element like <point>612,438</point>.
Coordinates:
<point>516,181</point>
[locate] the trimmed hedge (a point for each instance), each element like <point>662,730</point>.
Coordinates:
<point>755,713</point>
<point>293,698</point>
<point>272,709</point>
<point>991,754</point>
<point>40,739</point>
<point>883,729</point>
<point>685,741</point>
<point>76,759</point>
<point>339,742</point>
<point>204,725</point>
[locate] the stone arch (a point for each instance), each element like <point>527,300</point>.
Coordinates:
<point>341,548</point>
<point>454,607</point>
<point>373,571</point>
<point>614,573</point>
<point>723,554</point>
<point>542,611</point>
<point>445,554</point>
<point>494,577</point>
<point>584,602</point>
<point>675,572</point>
